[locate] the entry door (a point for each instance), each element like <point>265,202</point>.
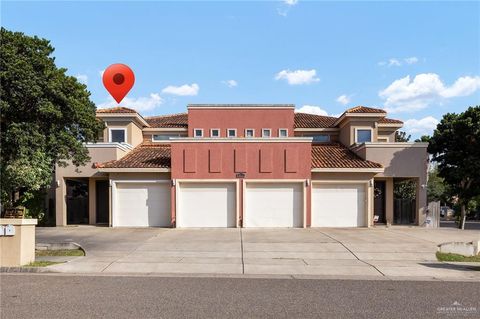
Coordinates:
<point>379,201</point>
<point>77,201</point>
<point>102,201</point>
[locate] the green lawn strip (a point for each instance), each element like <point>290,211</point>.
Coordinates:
<point>63,252</point>
<point>42,263</point>
<point>456,257</point>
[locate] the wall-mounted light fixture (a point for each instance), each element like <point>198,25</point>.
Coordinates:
<point>307,182</point>
<point>174,182</point>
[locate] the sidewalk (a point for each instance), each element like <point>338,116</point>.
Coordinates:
<point>376,253</point>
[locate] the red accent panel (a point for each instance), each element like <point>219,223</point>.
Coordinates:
<point>189,160</point>
<point>215,160</point>
<point>240,159</point>
<point>291,160</point>
<point>266,160</point>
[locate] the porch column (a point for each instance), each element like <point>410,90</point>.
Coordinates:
<point>389,200</point>
<point>92,196</point>
<point>421,201</point>
<point>60,202</point>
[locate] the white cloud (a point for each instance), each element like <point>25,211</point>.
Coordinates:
<point>343,99</point>
<point>298,77</point>
<point>398,62</point>
<point>140,104</point>
<point>423,126</point>
<point>411,60</point>
<point>183,90</point>
<point>82,78</point>
<point>230,83</point>
<point>312,109</point>
<point>290,2</point>
<point>406,94</point>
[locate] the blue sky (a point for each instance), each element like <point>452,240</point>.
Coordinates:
<point>418,60</point>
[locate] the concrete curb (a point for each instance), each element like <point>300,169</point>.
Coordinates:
<point>60,246</point>
<point>25,270</point>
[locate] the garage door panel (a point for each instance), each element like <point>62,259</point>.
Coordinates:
<point>273,205</point>
<point>142,205</point>
<point>206,205</point>
<point>338,205</point>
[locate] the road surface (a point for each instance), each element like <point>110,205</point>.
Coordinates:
<point>62,296</point>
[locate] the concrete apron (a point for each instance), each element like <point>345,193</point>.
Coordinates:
<point>403,253</point>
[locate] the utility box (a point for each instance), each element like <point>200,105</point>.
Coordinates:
<point>17,241</point>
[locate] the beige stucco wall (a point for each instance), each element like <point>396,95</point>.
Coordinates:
<point>348,126</point>
<point>387,133</point>
<point>97,154</point>
<point>19,249</point>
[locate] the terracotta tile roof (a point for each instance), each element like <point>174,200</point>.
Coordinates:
<point>335,155</point>
<point>364,109</point>
<point>118,109</point>
<point>143,156</point>
<point>389,121</point>
<point>305,120</point>
<point>179,120</point>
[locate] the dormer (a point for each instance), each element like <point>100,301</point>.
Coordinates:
<point>123,125</point>
<point>362,124</point>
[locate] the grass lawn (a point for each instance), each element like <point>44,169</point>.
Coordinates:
<point>63,252</point>
<point>42,263</point>
<point>455,257</point>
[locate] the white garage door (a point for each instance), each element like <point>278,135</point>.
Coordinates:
<point>206,205</point>
<point>338,205</point>
<point>273,205</point>
<point>142,205</point>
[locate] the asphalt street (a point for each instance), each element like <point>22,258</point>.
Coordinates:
<point>64,296</point>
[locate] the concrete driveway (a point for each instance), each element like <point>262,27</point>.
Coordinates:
<point>396,252</point>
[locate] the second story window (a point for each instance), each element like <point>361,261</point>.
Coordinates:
<point>249,132</point>
<point>215,132</point>
<point>321,138</point>
<point>118,135</point>
<point>282,132</point>
<point>364,135</point>
<point>266,132</point>
<point>198,132</point>
<point>231,132</point>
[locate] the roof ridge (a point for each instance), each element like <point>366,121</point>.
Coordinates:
<point>165,115</point>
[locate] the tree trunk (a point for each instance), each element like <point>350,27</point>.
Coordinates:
<point>463,214</point>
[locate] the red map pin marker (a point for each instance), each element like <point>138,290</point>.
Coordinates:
<point>118,79</point>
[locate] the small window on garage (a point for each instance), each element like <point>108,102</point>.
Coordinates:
<point>198,132</point>
<point>249,132</point>
<point>282,132</point>
<point>118,135</point>
<point>266,132</point>
<point>215,132</point>
<point>364,135</point>
<point>231,132</point>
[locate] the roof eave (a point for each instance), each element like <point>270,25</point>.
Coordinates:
<point>348,170</point>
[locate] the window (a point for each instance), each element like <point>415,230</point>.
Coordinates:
<point>198,132</point>
<point>266,132</point>
<point>321,138</point>
<point>163,137</point>
<point>215,132</point>
<point>231,132</point>
<point>118,135</point>
<point>282,132</point>
<point>364,135</point>
<point>249,132</point>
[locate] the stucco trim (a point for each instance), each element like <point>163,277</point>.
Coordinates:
<point>122,146</point>
<point>345,115</point>
<point>241,140</point>
<point>166,129</point>
<point>241,106</point>
<point>348,170</point>
<point>134,170</point>
<point>136,116</point>
<point>316,129</point>
<point>391,145</point>
<point>398,125</point>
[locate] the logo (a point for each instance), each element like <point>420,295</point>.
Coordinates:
<point>458,309</point>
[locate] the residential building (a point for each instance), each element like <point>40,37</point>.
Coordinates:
<point>237,165</point>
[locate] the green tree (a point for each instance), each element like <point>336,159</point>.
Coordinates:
<point>46,116</point>
<point>401,136</point>
<point>423,139</point>
<point>455,146</point>
<point>436,189</point>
